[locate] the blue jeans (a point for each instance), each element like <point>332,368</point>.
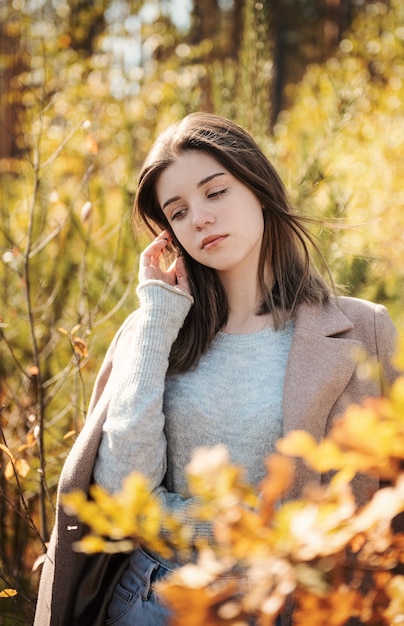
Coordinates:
<point>135,601</point>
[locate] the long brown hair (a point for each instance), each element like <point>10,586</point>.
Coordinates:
<point>285,245</point>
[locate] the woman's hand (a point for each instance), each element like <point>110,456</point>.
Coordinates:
<point>150,264</point>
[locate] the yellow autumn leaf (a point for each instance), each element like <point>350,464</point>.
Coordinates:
<point>386,503</point>
<point>90,544</point>
<point>136,485</point>
<point>8,593</point>
<point>343,477</point>
<point>9,471</point>
<point>17,465</point>
<point>74,501</point>
<point>70,433</point>
<point>30,442</point>
<point>371,429</point>
<point>327,456</point>
<point>22,467</point>
<point>297,443</point>
<point>215,481</point>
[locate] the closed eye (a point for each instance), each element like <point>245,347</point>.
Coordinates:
<point>214,195</point>
<point>178,214</point>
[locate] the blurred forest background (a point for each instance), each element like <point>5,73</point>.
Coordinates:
<point>85,86</point>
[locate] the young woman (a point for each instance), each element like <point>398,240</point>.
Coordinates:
<point>238,342</point>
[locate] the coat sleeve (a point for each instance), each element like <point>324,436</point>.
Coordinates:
<point>386,346</point>
<point>58,568</point>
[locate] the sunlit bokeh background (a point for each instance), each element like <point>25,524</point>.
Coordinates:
<point>85,86</point>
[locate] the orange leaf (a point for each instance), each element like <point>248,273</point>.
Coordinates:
<point>31,441</point>
<point>80,347</point>
<point>278,479</point>
<point>91,144</point>
<point>197,606</point>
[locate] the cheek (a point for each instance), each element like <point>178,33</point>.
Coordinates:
<point>181,236</point>
<point>176,237</point>
<point>261,219</point>
<point>185,245</point>
<point>181,243</point>
<point>254,224</point>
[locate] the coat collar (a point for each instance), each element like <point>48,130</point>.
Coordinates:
<point>321,363</point>
<point>327,320</point>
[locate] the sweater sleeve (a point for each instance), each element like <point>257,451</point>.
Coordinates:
<point>133,433</point>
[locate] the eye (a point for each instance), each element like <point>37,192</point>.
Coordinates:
<point>178,214</point>
<point>214,195</point>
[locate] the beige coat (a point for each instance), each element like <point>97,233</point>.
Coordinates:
<point>322,379</point>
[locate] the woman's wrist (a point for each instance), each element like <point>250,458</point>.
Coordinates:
<point>164,302</point>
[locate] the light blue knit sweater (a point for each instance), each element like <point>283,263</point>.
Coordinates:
<point>155,420</point>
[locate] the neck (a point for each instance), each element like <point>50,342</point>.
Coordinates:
<point>244,300</point>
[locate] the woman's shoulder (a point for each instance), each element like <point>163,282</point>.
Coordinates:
<point>352,306</point>
<point>371,325</point>
<point>362,311</point>
<point>347,316</point>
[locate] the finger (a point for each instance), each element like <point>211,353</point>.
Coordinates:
<point>149,262</point>
<point>165,234</point>
<point>181,274</point>
<point>151,254</point>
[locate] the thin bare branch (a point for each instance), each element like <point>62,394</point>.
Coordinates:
<point>57,152</point>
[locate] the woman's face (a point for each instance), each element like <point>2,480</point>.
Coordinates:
<point>215,217</point>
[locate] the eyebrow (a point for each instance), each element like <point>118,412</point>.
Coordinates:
<point>199,185</point>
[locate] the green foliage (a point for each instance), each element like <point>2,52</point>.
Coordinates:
<point>340,148</point>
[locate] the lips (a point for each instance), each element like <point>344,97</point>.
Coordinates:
<point>212,241</point>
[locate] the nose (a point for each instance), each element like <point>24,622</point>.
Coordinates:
<point>201,217</point>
